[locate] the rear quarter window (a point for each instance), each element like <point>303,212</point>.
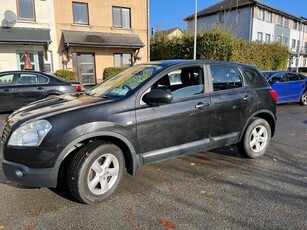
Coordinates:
<point>255,78</point>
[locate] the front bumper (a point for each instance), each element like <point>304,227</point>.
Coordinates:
<point>34,177</point>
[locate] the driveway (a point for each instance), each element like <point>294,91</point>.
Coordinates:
<point>219,189</point>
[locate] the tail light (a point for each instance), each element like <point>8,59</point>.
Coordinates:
<point>274,94</point>
<point>78,87</point>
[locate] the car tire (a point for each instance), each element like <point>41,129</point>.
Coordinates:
<point>304,98</point>
<point>95,172</point>
<point>256,138</point>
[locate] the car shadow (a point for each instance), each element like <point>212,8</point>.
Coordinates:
<point>230,151</point>
<point>62,190</point>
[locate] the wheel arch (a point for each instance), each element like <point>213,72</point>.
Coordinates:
<point>132,161</point>
<point>264,114</point>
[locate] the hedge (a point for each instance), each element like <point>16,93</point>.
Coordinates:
<point>66,75</point>
<point>111,71</point>
<point>221,46</point>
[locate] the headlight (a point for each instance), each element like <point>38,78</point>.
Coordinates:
<point>31,134</point>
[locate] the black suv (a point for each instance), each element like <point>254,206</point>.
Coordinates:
<point>147,113</point>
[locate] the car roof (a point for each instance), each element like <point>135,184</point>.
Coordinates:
<point>277,71</point>
<point>193,62</point>
<point>26,71</point>
<point>50,75</point>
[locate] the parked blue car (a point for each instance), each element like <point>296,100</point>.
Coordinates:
<point>290,86</point>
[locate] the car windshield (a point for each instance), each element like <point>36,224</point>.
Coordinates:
<point>124,82</point>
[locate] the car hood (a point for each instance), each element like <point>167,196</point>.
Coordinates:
<point>52,106</point>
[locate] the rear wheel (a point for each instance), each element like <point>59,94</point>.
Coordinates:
<point>95,172</point>
<point>256,138</point>
<point>304,98</point>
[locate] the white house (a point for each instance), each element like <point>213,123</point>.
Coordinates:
<point>28,26</point>
<point>254,20</point>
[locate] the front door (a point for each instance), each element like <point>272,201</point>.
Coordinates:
<point>28,87</point>
<point>184,123</point>
<point>295,86</point>
<point>6,101</point>
<point>86,68</point>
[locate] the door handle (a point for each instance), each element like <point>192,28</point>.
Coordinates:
<point>201,105</point>
<point>8,90</point>
<point>40,88</point>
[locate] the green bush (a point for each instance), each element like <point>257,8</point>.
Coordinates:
<point>220,45</point>
<point>111,71</point>
<point>66,75</point>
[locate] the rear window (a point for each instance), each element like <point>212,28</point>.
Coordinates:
<point>255,79</point>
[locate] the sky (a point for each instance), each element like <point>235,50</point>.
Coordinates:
<point>165,14</point>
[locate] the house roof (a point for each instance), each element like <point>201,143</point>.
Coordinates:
<point>17,35</point>
<point>236,4</point>
<point>97,39</point>
<point>166,32</point>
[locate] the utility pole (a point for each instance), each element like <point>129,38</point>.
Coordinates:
<point>148,31</point>
<point>301,41</point>
<point>195,30</point>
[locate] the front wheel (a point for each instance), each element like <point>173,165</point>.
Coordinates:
<point>256,138</point>
<point>304,98</point>
<point>95,172</point>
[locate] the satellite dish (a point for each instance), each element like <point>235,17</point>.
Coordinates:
<point>9,18</point>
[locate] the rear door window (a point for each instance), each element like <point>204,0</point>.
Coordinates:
<point>293,77</point>
<point>225,77</point>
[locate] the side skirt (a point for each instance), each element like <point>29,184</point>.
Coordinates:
<point>189,148</point>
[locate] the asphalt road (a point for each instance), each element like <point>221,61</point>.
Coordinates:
<point>211,190</point>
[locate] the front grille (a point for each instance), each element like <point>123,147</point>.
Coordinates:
<point>6,133</point>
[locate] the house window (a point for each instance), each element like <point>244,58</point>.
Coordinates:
<point>295,25</point>
<point>293,44</point>
<point>36,60</point>
<point>259,36</point>
<point>121,17</point>
<point>80,13</point>
<point>220,17</point>
<point>304,62</point>
<point>305,49</point>
<point>26,9</point>
<point>260,14</point>
<point>286,22</point>
<point>268,38</point>
<point>268,16</point>
<point>278,39</point>
<point>122,60</point>
<point>280,20</point>
<point>285,41</point>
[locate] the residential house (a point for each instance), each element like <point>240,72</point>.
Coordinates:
<point>27,26</point>
<point>95,34</point>
<point>170,33</point>
<point>84,36</point>
<point>254,20</point>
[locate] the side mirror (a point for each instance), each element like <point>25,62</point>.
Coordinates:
<point>158,96</point>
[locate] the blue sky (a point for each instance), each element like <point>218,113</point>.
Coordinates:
<point>166,14</point>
